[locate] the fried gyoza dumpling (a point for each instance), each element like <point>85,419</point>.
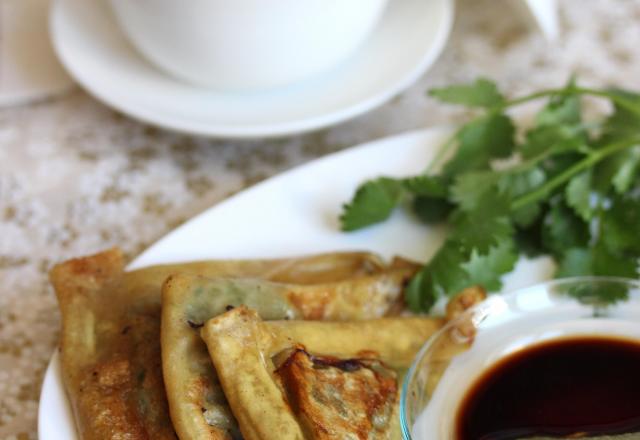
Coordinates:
<point>198,405</point>
<point>278,392</point>
<point>110,343</point>
<point>336,398</point>
<point>110,361</point>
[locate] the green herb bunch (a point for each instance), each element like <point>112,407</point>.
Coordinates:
<point>572,191</point>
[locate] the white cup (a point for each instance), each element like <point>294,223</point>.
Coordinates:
<point>247,44</point>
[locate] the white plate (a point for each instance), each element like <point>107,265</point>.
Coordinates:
<point>406,42</point>
<point>291,214</point>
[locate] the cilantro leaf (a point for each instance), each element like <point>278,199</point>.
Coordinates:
<point>563,229</point>
<point>425,185</point>
<point>597,295</point>
<point>581,197</point>
<point>575,262</point>
<point>620,225</point>
<point>618,171</point>
<point>527,215</point>
<point>556,138</point>
<point>606,263</point>
<point>528,238</point>
<point>468,189</point>
<point>419,294</point>
<point>481,93</point>
<point>517,184</point>
<point>595,260</point>
<point>558,163</point>
<point>558,126</point>
<point>431,210</point>
<point>481,233</point>
<point>623,122</point>
<point>443,275</point>
<point>447,274</point>
<point>562,109</point>
<point>481,140</point>
<point>487,270</point>
<point>626,173</point>
<point>373,202</point>
<point>484,227</point>
<point>453,269</point>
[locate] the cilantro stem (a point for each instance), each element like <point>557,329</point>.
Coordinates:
<point>533,96</point>
<point>529,163</point>
<point>614,97</point>
<point>617,98</point>
<point>442,152</point>
<point>585,163</point>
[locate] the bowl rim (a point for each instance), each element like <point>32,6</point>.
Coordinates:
<point>404,423</point>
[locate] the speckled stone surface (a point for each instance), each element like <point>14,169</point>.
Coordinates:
<point>76,177</point>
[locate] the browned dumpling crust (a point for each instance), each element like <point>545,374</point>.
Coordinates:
<point>336,398</point>
<point>110,351</point>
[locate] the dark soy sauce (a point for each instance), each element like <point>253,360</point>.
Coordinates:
<point>571,387</point>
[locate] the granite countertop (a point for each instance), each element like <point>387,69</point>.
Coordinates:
<point>77,177</point>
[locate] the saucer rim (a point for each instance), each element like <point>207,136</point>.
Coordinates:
<point>249,130</point>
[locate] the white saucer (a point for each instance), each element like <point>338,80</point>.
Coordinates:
<point>406,42</point>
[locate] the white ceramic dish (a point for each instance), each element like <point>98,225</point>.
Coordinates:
<point>291,214</point>
<point>408,39</point>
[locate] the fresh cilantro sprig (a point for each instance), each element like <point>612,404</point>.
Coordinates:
<point>572,191</point>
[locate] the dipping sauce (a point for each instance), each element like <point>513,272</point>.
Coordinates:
<point>575,387</point>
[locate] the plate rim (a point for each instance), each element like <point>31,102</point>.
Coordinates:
<point>239,131</point>
<point>146,257</point>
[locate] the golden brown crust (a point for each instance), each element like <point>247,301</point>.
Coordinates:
<point>97,352</point>
<point>394,340</point>
<point>464,300</point>
<point>460,303</point>
<point>235,341</point>
<point>364,297</point>
<point>336,398</point>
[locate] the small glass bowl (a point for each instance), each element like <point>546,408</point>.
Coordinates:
<point>454,358</point>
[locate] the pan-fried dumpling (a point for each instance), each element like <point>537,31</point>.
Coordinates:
<point>313,380</point>
<point>110,360</point>
<point>198,406</point>
<point>110,342</point>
